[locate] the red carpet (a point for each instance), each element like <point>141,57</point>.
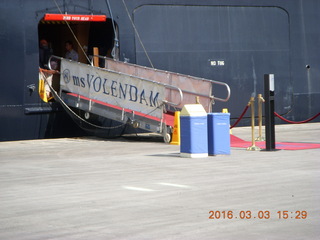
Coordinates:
<point>238,142</point>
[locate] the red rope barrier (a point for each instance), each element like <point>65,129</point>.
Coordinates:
<point>293,122</point>
<point>241,116</point>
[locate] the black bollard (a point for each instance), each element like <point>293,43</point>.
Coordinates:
<point>269,112</point>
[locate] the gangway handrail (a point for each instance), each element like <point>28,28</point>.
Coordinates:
<point>180,93</point>
<point>213,97</point>
<point>228,91</point>
<point>167,86</point>
<point>189,92</point>
<point>49,61</point>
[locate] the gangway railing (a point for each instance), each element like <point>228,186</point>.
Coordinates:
<point>189,85</point>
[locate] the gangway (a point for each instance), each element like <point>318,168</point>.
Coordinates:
<point>189,85</point>
<point>128,94</point>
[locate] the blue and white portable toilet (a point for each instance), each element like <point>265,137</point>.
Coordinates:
<point>193,131</point>
<point>219,133</point>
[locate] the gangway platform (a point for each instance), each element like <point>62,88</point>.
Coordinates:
<point>125,93</point>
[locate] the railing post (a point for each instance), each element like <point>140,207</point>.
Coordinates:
<point>95,57</point>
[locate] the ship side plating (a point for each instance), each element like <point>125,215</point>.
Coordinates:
<point>233,41</point>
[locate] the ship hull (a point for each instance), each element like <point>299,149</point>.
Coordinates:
<point>232,41</point>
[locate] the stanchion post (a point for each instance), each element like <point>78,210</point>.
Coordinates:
<point>253,146</point>
<point>269,112</point>
<point>225,110</point>
<point>96,58</point>
<point>260,101</point>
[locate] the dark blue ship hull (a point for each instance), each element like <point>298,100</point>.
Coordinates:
<point>233,41</point>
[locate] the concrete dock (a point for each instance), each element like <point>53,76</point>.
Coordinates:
<point>140,188</point>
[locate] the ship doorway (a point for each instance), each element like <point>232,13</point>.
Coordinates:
<point>83,35</point>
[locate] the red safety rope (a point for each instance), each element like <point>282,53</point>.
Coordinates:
<point>241,116</point>
<point>293,122</point>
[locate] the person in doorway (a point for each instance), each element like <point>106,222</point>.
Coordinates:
<point>45,53</point>
<point>71,53</point>
<point>46,71</point>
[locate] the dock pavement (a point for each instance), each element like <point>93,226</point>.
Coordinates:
<point>140,188</point>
